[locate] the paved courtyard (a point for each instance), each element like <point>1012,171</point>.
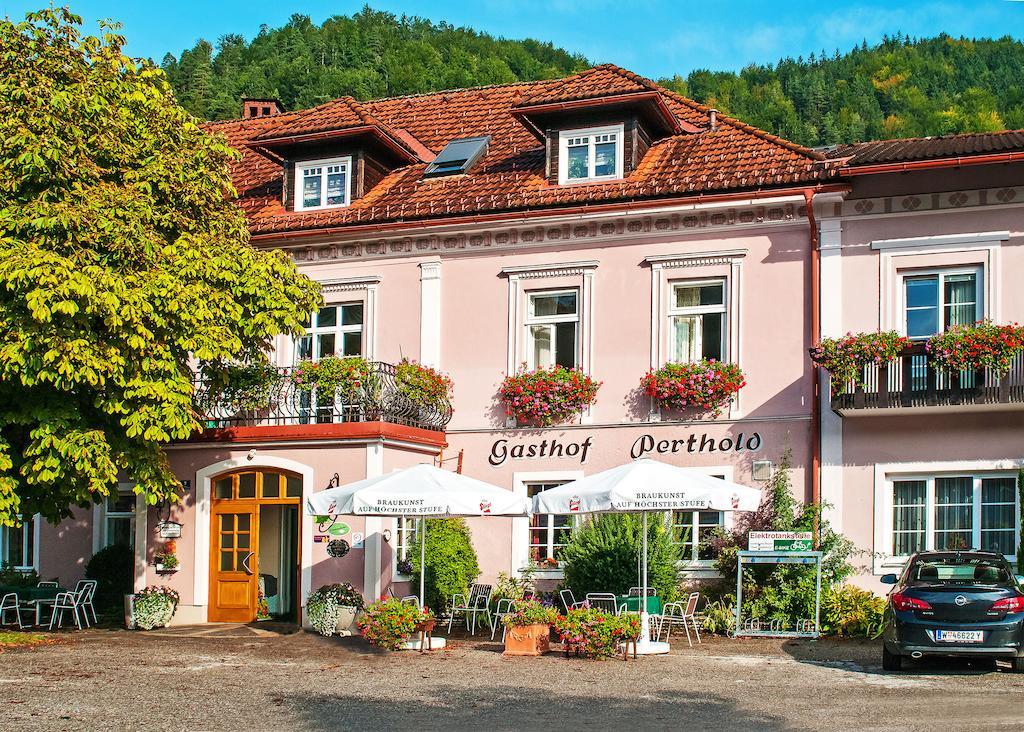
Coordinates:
<point>237,677</point>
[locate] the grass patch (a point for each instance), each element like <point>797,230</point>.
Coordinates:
<point>16,639</point>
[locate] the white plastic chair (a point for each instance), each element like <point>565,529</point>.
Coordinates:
<point>569,600</point>
<point>411,600</point>
<point>9,604</point>
<point>477,603</point>
<point>67,601</point>
<point>506,606</point>
<point>604,601</point>
<point>675,613</point>
<point>90,594</point>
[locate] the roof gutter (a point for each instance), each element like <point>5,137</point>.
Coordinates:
<point>956,162</point>
<point>674,123</point>
<point>528,215</point>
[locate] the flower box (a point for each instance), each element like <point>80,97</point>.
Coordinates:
<point>704,386</point>
<point>982,345</point>
<point>528,640</point>
<point>845,358</point>
<point>545,397</point>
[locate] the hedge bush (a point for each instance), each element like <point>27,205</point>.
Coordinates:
<point>602,555</point>
<point>113,568</point>
<point>451,563</point>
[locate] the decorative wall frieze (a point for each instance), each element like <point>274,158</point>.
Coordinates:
<point>916,203</point>
<point>564,269</point>
<point>348,284</point>
<point>599,230</point>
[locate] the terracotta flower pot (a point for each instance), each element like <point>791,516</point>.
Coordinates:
<point>528,640</point>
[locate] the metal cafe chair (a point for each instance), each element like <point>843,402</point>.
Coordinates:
<point>9,604</point>
<point>477,603</point>
<point>569,600</point>
<point>87,604</point>
<point>603,601</point>
<point>675,614</point>
<point>69,601</point>
<point>506,606</point>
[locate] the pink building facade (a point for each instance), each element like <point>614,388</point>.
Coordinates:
<point>687,235</point>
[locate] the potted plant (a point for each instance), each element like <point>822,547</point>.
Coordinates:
<point>345,378</point>
<point>595,634</point>
<point>152,607</point>
<point>166,561</point>
<point>982,345</point>
<point>528,629</point>
<point>244,388</point>
<point>333,608</point>
<point>704,386</point>
<point>845,358</point>
<point>389,622</point>
<point>550,396</point>
<point>423,385</point>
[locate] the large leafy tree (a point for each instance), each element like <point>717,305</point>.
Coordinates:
<point>123,263</point>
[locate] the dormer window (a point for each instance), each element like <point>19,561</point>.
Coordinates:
<point>588,155</point>
<point>323,183</point>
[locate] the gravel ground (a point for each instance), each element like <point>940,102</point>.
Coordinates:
<point>120,680</point>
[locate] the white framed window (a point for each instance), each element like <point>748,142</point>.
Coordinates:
<point>936,300</point>
<point>962,510</point>
<point>589,155</point>
<point>552,329</point>
<point>334,330</point>
<point>406,541</point>
<point>698,320</point>
<point>119,519</point>
<point>548,533</point>
<point>18,546</point>
<point>323,184</point>
<point>691,529</point>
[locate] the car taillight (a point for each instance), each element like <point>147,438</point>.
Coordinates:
<point>1009,605</point>
<point>906,602</point>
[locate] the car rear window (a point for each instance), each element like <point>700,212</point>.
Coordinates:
<point>972,570</point>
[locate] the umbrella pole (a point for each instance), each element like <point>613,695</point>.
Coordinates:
<point>645,621</point>
<point>423,555</point>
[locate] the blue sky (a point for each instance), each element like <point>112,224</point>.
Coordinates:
<point>656,38</point>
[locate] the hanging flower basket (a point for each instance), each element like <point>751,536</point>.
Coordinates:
<point>545,397</point>
<point>704,386</point>
<point>845,358</point>
<point>983,345</point>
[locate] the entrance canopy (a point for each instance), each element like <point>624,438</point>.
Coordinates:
<point>647,485</point>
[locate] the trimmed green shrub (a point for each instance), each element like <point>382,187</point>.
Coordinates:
<point>849,610</point>
<point>451,563</point>
<point>602,555</point>
<point>113,568</point>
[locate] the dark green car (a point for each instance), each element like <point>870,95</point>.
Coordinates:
<point>954,603</point>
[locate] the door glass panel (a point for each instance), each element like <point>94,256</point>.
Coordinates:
<point>227,561</point>
<point>227,522</point>
<point>247,485</point>
<point>243,522</point>
<point>271,485</point>
<point>222,488</point>
<point>294,487</point>
<point>243,541</point>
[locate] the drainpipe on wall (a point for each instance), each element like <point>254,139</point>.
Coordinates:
<point>815,339</point>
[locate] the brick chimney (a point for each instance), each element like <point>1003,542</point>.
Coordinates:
<point>253,107</point>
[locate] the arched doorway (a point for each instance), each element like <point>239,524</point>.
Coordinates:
<point>255,545</point>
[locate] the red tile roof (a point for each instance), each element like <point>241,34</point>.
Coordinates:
<point>511,176</point>
<point>913,149</point>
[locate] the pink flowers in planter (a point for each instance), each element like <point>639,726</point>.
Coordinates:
<point>549,396</point>
<point>982,345</point>
<point>704,386</point>
<point>845,358</point>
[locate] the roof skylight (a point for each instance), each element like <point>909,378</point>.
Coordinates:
<point>458,156</point>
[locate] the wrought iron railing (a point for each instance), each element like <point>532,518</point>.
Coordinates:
<point>914,380</point>
<point>281,401</point>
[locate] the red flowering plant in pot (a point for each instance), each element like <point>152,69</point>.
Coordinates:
<point>845,357</point>
<point>425,386</point>
<point>547,396</point>
<point>389,622</point>
<point>705,386</point>
<point>983,345</point>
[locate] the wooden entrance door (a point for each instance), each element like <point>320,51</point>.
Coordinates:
<point>234,564</point>
<point>235,535</point>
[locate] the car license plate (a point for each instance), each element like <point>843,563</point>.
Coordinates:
<point>959,636</point>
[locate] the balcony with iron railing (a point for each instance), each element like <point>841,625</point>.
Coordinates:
<point>282,401</point>
<point>914,383</point>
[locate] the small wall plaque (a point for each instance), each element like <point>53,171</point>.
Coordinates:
<point>170,530</point>
<point>337,548</point>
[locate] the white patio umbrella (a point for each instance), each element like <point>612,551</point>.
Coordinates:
<point>422,490</point>
<point>644,486</point>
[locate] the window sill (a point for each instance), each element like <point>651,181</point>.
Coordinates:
<point>321,208</point>
<point>548,574</point>
<point>592,181</point>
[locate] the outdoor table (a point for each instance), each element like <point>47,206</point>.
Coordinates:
<point>37,596</point>
<point>632,603</point>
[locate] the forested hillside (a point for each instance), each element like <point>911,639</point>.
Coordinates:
<point>367,55</point>
<point>898,88</point>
